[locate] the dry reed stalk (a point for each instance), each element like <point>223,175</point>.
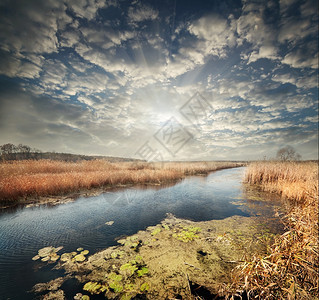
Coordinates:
<point>290,270</point>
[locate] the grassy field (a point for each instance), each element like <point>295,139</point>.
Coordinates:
<point>22,179</point>
<point>290,270</point>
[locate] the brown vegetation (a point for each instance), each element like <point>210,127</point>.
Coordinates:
<point>290,270</point>
<point>21,179</point>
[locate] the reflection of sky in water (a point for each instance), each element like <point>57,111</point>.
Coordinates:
<point>82,223</point>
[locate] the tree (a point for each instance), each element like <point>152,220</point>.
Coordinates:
<point>8,151</point>
<point>24,148</point>
<point>287,153</point>
<point>8,148</point>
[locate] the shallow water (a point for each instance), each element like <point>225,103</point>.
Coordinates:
<point>82,223</point>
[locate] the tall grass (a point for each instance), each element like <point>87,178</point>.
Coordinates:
<point>22,179</point>
<point>290,270</point>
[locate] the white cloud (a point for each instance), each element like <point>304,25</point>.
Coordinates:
<point>31,29</point>
<point>269,52</point>
<point>252,28</point>
<point>305,81</point>
<point>214,34</point>
<point>301,59</point>
<point>313,119</point>
<point>14,67</point>
<point>87,9</point>
<point>142,13</point>
<point>69,38</point>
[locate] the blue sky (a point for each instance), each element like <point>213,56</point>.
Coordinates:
<point>173,80</point>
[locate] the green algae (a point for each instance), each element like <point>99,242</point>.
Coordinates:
<point>129,267</point>
<point>144,287</point>
<point>156,231</point>
<point>130,242</point>
<point>166,227</point>
<point>116,286</point>
<point>143,271</point>
<point>95,287</point>
<point>117,254</point>
<point>166,264</point>
<point>188,234</point>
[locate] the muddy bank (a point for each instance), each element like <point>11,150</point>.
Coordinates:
<point>175,259</point>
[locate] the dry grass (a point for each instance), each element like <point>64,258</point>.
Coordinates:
<point>290,270</point>
<point>21,179</point>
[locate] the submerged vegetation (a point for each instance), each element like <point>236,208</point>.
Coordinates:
<point>20,180</point>
<point>290,268</point>
<point>165,265</point>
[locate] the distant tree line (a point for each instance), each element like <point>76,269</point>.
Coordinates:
<point>12,152</point>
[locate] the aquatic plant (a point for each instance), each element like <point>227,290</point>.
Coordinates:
<point>109,223</point>
<point>156,231</point>
<point>117,254</point>
<point>54,257</point>
<point>114,277</point>
<point>95,287</point>
<point>46,258</point>
<point>131,268</point>
<point>114,282</point>
<point>143,271</point>
<point>85,252</point>
<point>125,281</point>
<point>166,227</point>
<point>79,258</point>
<point>144,287</point>
<point>65,257</point>
<point>46,251</point>
<point>116,286</point>
<point>188,234</point>
<point>48,254</point>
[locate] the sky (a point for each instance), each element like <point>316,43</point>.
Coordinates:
<point>160,80</point>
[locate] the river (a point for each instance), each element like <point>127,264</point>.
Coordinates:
<point>81,223</point>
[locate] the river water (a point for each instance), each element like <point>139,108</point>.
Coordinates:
<point>82,223</point>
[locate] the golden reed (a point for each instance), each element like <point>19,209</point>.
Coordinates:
<point>290,270</point>
<point>22,179</point>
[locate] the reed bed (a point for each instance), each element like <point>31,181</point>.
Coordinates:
<point>22,179</point>
<point>290,269</point>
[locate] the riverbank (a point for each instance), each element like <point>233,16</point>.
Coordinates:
<point>46,181</point>
<point>290,268</point>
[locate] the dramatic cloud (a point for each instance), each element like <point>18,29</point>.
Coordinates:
<point>235,80</point>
